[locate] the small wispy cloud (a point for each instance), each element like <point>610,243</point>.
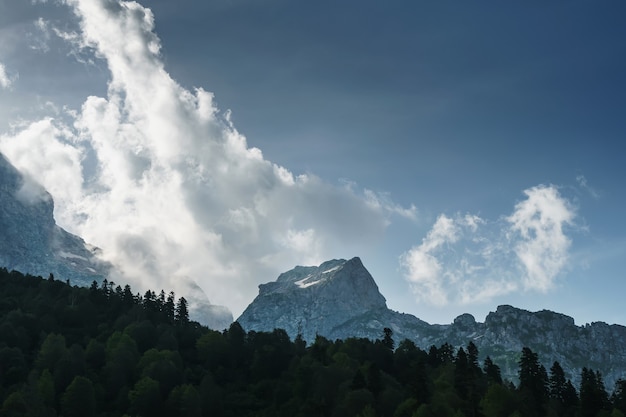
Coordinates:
<point>39,40</point>
<point>5,81</point>
<point>584,184</point>
<point>466,259</point>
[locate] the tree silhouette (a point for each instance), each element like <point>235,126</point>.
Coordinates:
<point>533,386</point>
<point>182,312</point>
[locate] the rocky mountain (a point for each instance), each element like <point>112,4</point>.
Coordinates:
<point>31,242</point>
<point>340,299</point>
<point>337,299</point>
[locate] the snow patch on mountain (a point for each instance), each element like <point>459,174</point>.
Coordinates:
<point>328,271</point>
<point>305,283</point>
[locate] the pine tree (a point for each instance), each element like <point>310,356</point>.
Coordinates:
<point>182,312</point>
<point>533,386</point>
<point>593,396</point>
<point>619,395</point>
<point>492,371</point>
<point>170,307</point>
<point>557,382</point>
<point>557,388</point>
<point>388,338</point>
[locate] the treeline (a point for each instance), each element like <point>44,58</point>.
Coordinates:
<point>104,351</point>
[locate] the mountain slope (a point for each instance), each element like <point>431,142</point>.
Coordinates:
<point>339,299</point>
<point>32,242</point>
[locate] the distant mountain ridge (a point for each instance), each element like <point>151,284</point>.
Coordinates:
<point>340,299</point>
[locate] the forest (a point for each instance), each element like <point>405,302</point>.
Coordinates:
<point>104,351</point>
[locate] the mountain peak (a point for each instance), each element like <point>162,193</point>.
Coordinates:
<point>319,298</point>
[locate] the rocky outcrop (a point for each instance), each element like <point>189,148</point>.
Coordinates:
<point>30,240</point>
<point>339,299</point>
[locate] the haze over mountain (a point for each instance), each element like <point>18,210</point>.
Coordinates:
<point>33,243</point>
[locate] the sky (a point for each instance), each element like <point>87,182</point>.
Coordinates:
<point>468,153</point>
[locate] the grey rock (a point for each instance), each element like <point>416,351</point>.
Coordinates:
<point>336,299</point>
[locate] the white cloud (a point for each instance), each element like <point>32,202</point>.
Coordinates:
<point>162,181</point>
<point>40,39</point>
<point>37,151</point>
<point>542,247</point>
<point>467,259</point>
<point>5,80</point>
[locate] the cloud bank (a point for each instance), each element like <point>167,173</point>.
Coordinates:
<point>161,180</point>
<point>467,259</point>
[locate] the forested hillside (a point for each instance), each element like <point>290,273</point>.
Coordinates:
<point>104,351</point>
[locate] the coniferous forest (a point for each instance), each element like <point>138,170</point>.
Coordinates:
<point>104,351</point>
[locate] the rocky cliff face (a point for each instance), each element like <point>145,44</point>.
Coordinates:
<point>30,240</point>
<point>339,299</point>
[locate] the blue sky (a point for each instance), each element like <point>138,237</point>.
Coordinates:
<point>468,153</point>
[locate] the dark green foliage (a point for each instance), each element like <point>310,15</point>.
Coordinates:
<point>619,395</point>
<point>593,396</point>
<point>182,312</point>
<point>533,385</point>
<point>563,396</point>
<point>388,338</point>
<point>492,371</point>
<point>79,399</point>
<point>102,351</point>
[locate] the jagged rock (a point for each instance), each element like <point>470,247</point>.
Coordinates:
<point>339,299</point>
<point>335,299</point>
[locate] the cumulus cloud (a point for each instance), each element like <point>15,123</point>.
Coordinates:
<point>161,180</point>
<point>537,228</point>
<point>5,80</point>
<point>467,259</point>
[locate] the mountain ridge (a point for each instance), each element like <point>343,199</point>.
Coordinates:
<point>301,309</point>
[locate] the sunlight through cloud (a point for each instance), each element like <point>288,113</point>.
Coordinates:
<point>161,180</point>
